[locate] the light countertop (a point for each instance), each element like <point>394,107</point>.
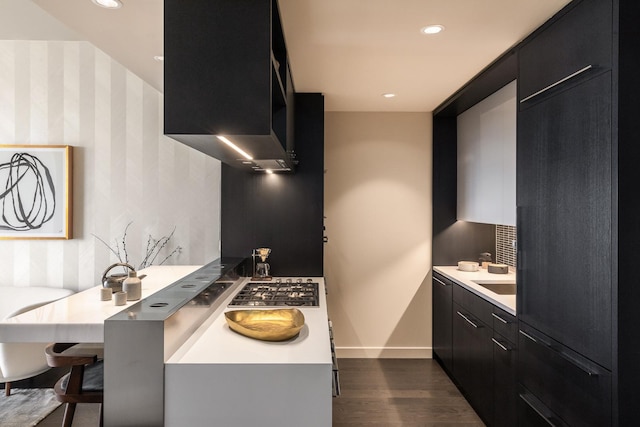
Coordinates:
<point>80,317</point>
<point>219,377</point>
<point>466,278</point>
<point>215,343</point>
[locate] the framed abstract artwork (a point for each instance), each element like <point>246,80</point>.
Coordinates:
<point>36,191</point>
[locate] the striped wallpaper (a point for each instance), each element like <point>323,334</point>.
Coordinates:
<point>71,93</point>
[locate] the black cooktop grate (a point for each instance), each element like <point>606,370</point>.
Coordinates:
<point>267,294</point>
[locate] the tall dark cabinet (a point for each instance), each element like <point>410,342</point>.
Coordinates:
<point>578,232</point>
<point>281,211</point>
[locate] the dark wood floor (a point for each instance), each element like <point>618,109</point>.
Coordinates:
<point>399,392</point>
<point>375,392</point>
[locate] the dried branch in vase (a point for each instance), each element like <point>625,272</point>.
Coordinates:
<point>153,249</point>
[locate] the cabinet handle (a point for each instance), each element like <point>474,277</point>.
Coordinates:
<point>538,411</point>
<point>440,281</point>
<point>467,319</point>
<point>552,85</point>
<point>578,364</point>
<point>499,344</point>
<point>528,336</point>
<point>500,318</point>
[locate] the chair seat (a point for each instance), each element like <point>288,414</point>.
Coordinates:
<point>93,379</point>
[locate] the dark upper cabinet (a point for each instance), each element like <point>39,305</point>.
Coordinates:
<point>227,73</point>
<point>442,292</point>
<point>580,38</point>
<point>564,165</point>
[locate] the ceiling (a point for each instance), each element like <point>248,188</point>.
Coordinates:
<point>353,51</point>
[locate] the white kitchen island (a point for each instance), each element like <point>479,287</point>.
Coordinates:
<point>221,378</point>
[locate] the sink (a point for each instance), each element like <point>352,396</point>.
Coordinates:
<point>498,287</point>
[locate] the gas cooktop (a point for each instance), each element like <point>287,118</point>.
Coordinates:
<point>288,293</point>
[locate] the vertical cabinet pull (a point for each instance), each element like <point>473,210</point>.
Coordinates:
<point>467,319</point>
<point>439,281</point>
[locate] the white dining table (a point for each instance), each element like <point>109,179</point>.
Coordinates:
<point>80,317</point>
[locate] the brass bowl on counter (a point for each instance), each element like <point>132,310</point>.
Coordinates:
<point>266,325</point>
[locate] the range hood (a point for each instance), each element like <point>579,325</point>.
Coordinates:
<point>228,86</point>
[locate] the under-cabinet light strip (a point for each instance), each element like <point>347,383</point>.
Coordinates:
<point>235,147</point>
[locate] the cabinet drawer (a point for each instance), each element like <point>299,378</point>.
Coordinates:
<point>578,39</point>
<point>477,306</point>
<point>533,413</point>
<point>574,388</point>
<point>505,324</point>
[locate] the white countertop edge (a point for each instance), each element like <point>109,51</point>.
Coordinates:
<point>464,279</point>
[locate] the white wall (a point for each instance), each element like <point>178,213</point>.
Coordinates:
<point>71,93</point>
<point>378,220</point>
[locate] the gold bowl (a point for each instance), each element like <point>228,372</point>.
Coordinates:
<point>266,325</point>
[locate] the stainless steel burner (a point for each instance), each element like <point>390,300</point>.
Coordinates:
<point>278,294</point>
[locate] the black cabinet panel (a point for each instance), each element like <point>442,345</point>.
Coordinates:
<point>564,199</point>
<point>579,38</point>
<point>281,211</point>
<point>504,382</point>
<point>533,413</point>
<point>573,387</point>
<point>505,324</point>
<point>473,360</point>
<point>442,292</point>
<point>477,306</point>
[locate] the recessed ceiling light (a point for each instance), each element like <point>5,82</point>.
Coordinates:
<point>389,95</point>
<point>108,4</point>
<point>432,29</point>
<point>159,58</point>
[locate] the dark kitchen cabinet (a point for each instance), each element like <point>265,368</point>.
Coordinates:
<point>473,351</point>
<point>573,387</point>
<point>578,41</point>
<point>227,73</point>
<point>283,212</point>
<point>578,230</point>
<point>504,368</point>
<point>565,218</point>
<point>442,303</point>
<point>476,343</point>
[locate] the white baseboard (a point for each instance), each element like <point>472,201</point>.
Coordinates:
<point>384,352</point>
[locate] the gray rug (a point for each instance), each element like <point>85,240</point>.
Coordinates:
<point>26,406</point>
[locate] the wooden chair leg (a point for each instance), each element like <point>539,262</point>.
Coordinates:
<point>7,389</point>
<point>69,411</point>
<point>101,416</point>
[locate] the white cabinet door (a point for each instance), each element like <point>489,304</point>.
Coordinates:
<point>487,159</point>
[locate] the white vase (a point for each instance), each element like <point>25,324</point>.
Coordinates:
<point>132,285</point>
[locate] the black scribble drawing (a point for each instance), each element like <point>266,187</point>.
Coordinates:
<point>28,199</point>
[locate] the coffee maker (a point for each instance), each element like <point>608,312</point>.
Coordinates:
<point>261,268</point>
